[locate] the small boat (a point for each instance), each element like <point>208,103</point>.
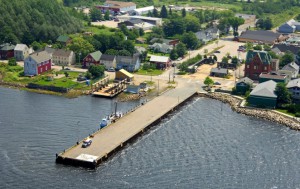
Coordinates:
<point>105,121</point>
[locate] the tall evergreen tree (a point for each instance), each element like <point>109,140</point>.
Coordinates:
<point>170,12</point>
<point>183,12</point>
<point>155,13</point>
<point>164,12</point>
<point>95,14</point>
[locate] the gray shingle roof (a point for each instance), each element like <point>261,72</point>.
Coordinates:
<point>284,48</point>
<point>62,53</point>
<point>291,67</point>
<point>219,70</point>
<point>108,57</point>
<point>260,35</point>
<point>293,83</point>
<point>40,56</point>
<point>245,80</point>
<point>265,89</point>
<point>20,47</point>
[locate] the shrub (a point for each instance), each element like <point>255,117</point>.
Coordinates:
<point>297,114</point>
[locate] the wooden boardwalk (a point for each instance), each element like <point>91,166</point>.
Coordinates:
<point>111,138</point>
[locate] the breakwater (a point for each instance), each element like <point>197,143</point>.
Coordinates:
<point>265,114</point>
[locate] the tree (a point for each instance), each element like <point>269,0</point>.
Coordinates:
<point>80,45</point>
<point>88,75</point>
<point>215,58</point>
<point>96,70</point>
<point>155,13</point>
<point>268,24</point>
<point>283,95</point>
<point>190,40</point>
<point>66,74</point>
<point>208,81</point>
<point>173,54</point>
<point>267,47</point>
<point>170,12</point>
<point>234,60</point>
<point>249,46</point>
<point>225,59</point>
<point>124,53</point>
<point>106,16</point>
<point>273,55</point>
<point>192,23</point>
<point>174,26</point>
<point>181,49</point>
<point>288,57</point>
<point>183,12</point>
<point>163,12</point>
<point>12,62</point>
<point>259,23</point>
<point>111,52</point>
<point>95,14</point>
<point>257,47</point>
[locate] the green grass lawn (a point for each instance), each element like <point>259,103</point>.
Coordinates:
<point>100,30</point>
<point>285,112</point>
<point>152,73</point>
<point>283,17</point>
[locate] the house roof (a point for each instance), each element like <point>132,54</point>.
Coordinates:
<point>161,46</point>
<point>96,55</point>
<point>291,67</point>
<point>49,50</point>
<point>140,49</point>
<point>260,35</point>
<point>265,89</point>
<point>263,56</point>
<point>144,9</point>
<point>272,76</point>
<point>126,73</point>
<point>7,47</point>
<point>155,40</point>
<point>63,38</point>
<point>154,58</point>
<point>285,47</point>
<point>245,80</point>
<point>20,47</point>
<point>219,70</point>
<point>293,83</point>
<point>40,56</point>
<point>108,57</point>
<point>62,53</point>
<point>135,21</point>
<point>128,59</point>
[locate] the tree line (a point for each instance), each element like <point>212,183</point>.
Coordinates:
<point>34,20</point>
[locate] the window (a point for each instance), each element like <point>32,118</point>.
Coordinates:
<point>248,66</point>
<point>265,67</point>
<point>255,67</point>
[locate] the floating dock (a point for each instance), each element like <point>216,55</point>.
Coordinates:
<point>112,138</point>
<point>104,89</point>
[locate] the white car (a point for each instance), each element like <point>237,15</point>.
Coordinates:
<point>86,143</point>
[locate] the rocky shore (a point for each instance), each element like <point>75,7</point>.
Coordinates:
<point>266,114</point>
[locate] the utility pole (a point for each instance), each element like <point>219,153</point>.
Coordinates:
<point>158,87</point>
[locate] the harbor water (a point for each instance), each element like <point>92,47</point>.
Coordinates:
<point>202,145</point>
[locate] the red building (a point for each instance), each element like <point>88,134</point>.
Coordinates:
<point>37,63</point>
<point>92,59</point>
<point>6,51</point>
<point>162,62</point>
<point>258,62</point>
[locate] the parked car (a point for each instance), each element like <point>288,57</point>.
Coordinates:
<point>180,58</point>
<point>217,83</point>
<point>217,52</point>
<point>111,70</point>
<point>67,69</point>
<point>86,143</point>
<point>116,20</point>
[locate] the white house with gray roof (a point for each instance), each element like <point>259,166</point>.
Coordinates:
<point>161,47</point>
<point>37,63</point>
<point>292,67</point>
<point>21,52</point>
<point>63,57</point>
<point>294,87</point>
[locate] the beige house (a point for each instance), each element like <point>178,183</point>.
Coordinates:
<point>63,57</point>
<point>21,52</point>
<point>109,61</point>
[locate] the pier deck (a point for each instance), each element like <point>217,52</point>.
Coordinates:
<point>111,138</point>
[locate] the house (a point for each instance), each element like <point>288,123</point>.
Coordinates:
<point>243,85</point>
<point>143,11</point>
<point>130,23</point>
<point>6,51</point>
<point>227,65</point>
<point>123,74</point>
<point>258,62</point>
<point>64,40</point>
<point>294,87</point>
<point>161,62</point>
<point>249,18</point>
<point>129,63</point>
<point>140,40</point>
<point>151,20</point>
<point>172,42</point>
<point>92,59</point>
<point>275,76</point>
<point>49,50</point>
<point>21,52</point>
<point>292,67</point>
<point>139,49</point>
<point>208,34</point>
<point>63,57</point>
<point>161,47</point>
<point>109,61</point>
<point>117,7</point>
<point>281,49</point>
<point>263,95</point>
<point>37,63</point>
<point>260,36</point>
<point>289,27</point>
<point>219,72</point>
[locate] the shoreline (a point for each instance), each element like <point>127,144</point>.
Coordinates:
<point>266,114</point>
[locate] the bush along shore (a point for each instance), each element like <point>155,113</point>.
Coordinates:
<point>266,114</point>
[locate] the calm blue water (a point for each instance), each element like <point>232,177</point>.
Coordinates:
<point>203,145</point>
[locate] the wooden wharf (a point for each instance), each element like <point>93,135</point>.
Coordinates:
<point>112,138</point>
<point>104,89</point>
